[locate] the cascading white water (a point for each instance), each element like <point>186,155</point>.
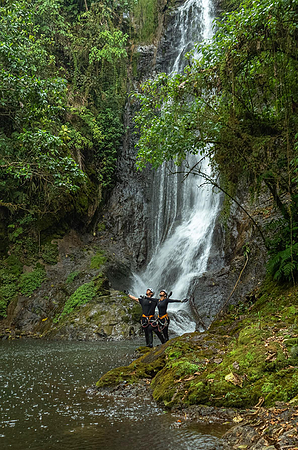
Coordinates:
<point>193,24</point>
<point>183,214</point>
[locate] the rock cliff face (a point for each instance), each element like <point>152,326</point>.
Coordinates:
<point>236,265</point>
<point>127,214</point>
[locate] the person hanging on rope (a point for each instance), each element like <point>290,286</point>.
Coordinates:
<point>163,319</point>
<point>148,320</point>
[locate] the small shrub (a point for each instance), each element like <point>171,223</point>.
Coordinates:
<point>101,227</point>
<point>97,260</point>
<point>7,292</point>
<point>3,305</point>
<point>32,280</point>
<point>50,253</point>
<point>81,296</point>
<point>71,277</point>
<point>283,265</point>
<point>13,265</point>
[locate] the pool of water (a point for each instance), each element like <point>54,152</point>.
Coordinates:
<point>44,405</point>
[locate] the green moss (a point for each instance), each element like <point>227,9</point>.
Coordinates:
<point>135,312</point>
<point>176,350</point>
<point>184,367</point>
<point>251,334</point>
<point>81,296</point>
<point>147,366</point>
<point>31,281</point>
<point>290,313</point>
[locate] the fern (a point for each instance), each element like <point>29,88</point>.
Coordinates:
<point>283,266</point>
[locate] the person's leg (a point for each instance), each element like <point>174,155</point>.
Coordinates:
<point>159,334</point>
<point>149,336</point>
<point>146,335</point>
<point>166,333</point>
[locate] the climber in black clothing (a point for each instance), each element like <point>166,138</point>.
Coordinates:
<point>148,321</point>
<point>163,319</point>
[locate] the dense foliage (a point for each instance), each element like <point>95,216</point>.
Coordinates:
<point>36,167</point>
<point>239,101</point>
<point>62,85</point>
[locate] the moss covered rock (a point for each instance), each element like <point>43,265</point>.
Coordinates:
<point>239,362</point>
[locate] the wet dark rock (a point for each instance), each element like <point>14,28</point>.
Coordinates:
<point>138,390</point>
<point>206,414</point>
<point>145,55</point>
<point>236,264</point>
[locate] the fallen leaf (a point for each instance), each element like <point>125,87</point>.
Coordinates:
<point>271,357</point>
<point>234,379</point>
<point>237,419</point>
<point>218,360</point>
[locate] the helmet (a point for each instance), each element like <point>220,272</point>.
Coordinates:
<point>151,290</point>
<point>163,290</point>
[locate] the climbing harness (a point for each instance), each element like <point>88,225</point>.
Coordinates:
<point>163,322</point>
<point>153,322</point>
<point>146,320</point>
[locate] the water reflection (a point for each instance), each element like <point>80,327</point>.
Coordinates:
<point>43,402</point>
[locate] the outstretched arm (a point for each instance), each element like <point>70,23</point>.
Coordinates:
<point>171,300</point>
<point>131,296</point>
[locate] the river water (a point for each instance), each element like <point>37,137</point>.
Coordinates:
<point>44,405</point>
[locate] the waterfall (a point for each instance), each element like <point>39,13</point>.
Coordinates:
<point>183,212</point>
